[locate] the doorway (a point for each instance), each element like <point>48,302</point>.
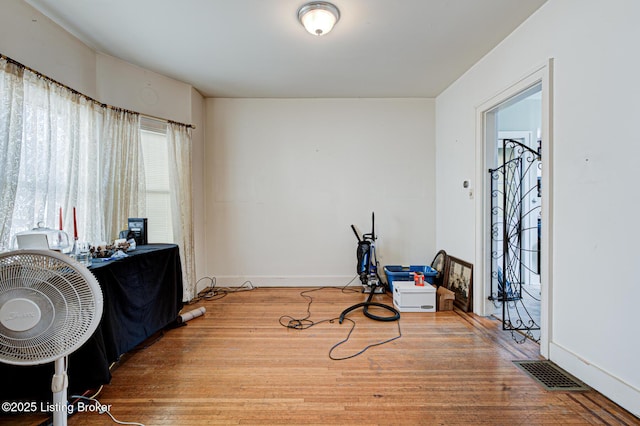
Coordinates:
<point>514,259</point>
<point>513,235</point>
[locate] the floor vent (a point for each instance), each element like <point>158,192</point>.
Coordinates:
<point>550,376</point>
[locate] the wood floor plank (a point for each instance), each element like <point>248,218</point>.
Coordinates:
<point>237,365</point>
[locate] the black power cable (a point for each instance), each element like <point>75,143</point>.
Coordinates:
<point>306,323</point>
<point>353,326</point>
<point>365,309</point>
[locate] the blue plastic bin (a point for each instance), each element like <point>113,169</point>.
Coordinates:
<point>403,273</point>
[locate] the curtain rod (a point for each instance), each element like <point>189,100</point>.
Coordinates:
<point>89,98</point>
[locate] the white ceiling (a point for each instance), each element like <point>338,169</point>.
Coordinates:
<point>257,48</point>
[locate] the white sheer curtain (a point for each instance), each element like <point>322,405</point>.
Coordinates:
<point>11,106</point>
<point>60,150</point>
<point>59,160</point>
<point>179,146</point>
<point>123,179</point>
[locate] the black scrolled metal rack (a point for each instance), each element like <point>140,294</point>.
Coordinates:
<point>515,241</point>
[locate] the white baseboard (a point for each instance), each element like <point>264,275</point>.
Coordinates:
<point>284,281</point>
<point>610,386</point>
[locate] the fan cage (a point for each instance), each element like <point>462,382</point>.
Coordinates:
<point>67,295</point>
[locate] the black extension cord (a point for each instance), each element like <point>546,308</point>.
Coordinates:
<point>305,323</point>
<point>365,309</point>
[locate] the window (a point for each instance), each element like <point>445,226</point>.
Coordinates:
<point>62,152</point>
<point>153,136</point>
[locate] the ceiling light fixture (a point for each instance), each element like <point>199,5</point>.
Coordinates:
<point>318,17</point>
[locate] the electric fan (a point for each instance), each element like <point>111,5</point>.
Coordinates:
<point>49,306</point>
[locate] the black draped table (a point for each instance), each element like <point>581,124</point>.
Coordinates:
<point>142,295</point>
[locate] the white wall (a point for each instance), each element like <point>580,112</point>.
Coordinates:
<point>286,178</point>
<point>35,41</point>
<point>595,162</point>
<point>522,116</point>
<point>131,87</point>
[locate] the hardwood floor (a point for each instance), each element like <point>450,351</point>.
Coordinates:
<point>238,365</point>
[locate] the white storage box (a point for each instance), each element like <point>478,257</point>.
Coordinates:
<point>408,297</point>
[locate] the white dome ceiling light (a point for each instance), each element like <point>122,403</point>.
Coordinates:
<point>318,17</point>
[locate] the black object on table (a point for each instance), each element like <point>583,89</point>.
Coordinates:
<point>142,295</point>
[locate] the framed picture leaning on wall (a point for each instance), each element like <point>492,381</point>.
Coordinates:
<point>439,263</point>
<point>459,279</point>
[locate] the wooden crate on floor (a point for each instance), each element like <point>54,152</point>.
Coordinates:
<point>444,299</point>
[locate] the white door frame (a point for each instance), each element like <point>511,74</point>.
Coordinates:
<point>542,74</point>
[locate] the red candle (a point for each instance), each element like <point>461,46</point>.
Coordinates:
<point>61,218</point>
<point>75,225</point>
